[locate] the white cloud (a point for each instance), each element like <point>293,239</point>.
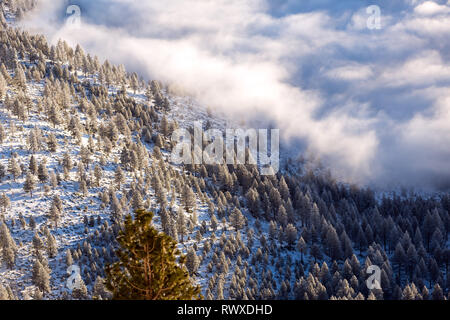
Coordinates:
<point>354,95</point>
<point>351,72</point>
<point>429,8</point>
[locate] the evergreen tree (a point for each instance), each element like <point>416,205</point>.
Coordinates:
<point>99,291</point>
<point>52,143</point>
<point>69,258</point>
<point>55,214</point>
<point>4,202</point>
<point>29,184</point>
<point>237,219</point>
<point>437,292</point>
<point>83,189</point>
<point>192,262</point>
<point>188,198</point>
<point>147,268</point>
<point>43,172</point>
<point>302,247</point>
<point>291,235</point>
<point>33,166</point>
<point>80,292</point>
<point>14,168</point>
<point>52,246</point>
<point>181,224</point>
<point>41,276</point>
<point>119,176</point>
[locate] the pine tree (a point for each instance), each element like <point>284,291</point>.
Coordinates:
<point>55,214</point>
<point>301,246</point>
<point>2,172</point>
<point>3,86</point>
<point>83,188</point>
<point>41,276</point>
<point>69,258</point>
<point>116,207</point>
<point>137,201</point>
<point>98,174</point>
<point>67,162</point>
<point>188,198</point>
<point>52,246</point>
<point>33,166</point>
<point>19,78</point>
<point>291,235</point>
<point>53,180</point>
<point>192,262</point>
<point>80,292</point>
<point>237,219</point>
<point>29,184</point>
<point>14,168</point>
<point>4,202</point>
<point>316,253</point>
<point>58,203</point>
<point>399,258</point>
<point>3,293</point>
<point>37,242</point>
<point>147,268</point>
<point>43,172</point>
<point>284,189</point>
<point>52,143</point>
<point>333,244</point>
<point>437,292</point>
<point>9,257</point>
<point>119,176</point>
<point>181,224</point>
<point>99,291</point>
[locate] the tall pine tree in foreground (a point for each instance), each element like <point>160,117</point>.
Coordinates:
<point>148,268</point>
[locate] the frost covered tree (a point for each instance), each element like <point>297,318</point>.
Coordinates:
<point>80,292</point>
<point>291,235</point>
<point>99,291</point>
<point>192,262</point>
<point>116,208</point>
<point>119,177</point>
<point>52,246</point>
<point>33,166</point>
<point>2,172</point>
<point>41,276</point>
<point>29,184</point>
<point>5,202</point>
<point>181,224</point>
<point>98,173</point>
<point>14,168</point>
<point>83,189</point>
<point>137,201</point>
<point>19,78</point>
<point>3,86</point>
<point>43,172</point>
<point>237,219</point>
<point>52,143</point>
<point>188,198</point>
<point>55,214</point>
<point>69,258</point>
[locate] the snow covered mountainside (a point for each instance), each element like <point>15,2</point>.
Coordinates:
<point>84,143</point>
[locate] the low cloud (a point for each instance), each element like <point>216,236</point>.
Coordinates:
<point>372,104</point>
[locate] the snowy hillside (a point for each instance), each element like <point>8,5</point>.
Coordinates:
<point>84,143</point>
